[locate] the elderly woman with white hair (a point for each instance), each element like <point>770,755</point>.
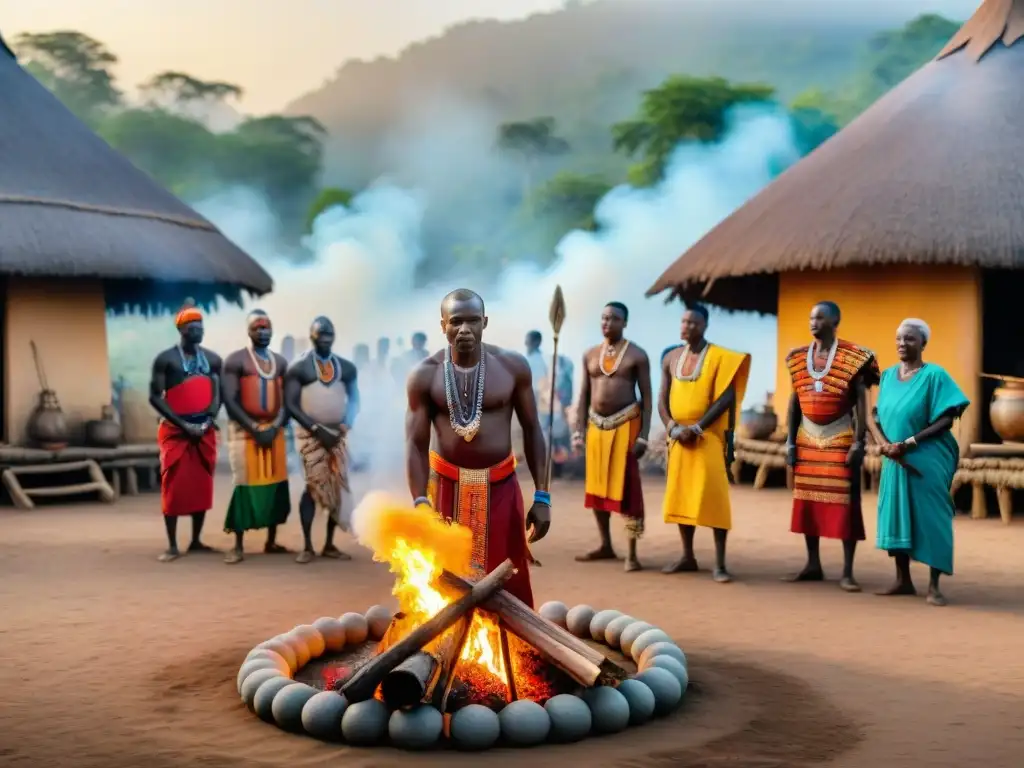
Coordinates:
<point>917,405</point>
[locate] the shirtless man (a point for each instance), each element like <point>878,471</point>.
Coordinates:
<point>253,387</point>
<point>468,393</point>
<point>321,394</point>
<point>614,428</point>
<point>185,390</point>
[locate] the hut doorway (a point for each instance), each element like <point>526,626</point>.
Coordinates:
<point>1002,352</point>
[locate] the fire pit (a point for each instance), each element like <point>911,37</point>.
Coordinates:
<point>462,661</point>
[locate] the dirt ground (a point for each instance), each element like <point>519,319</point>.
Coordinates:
<point>112,659</point>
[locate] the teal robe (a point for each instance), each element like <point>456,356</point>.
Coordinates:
<point>915,508</point>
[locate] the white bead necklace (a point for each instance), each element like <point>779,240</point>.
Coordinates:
<point>698,366</point>
<point>268,375</point>
<point>608,352</point>
<point>819,385</point>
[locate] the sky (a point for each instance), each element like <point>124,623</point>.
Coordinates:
<point>278,50</point>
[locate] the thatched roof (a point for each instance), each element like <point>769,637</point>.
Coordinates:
<point>929,174</point>
<point>70,206</point>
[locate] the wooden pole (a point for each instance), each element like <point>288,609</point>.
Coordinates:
<point>362,685</point>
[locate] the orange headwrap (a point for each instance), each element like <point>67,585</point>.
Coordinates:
<point>189,314</point>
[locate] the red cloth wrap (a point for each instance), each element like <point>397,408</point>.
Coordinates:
<point>494,511</point>
<point>187,464</point>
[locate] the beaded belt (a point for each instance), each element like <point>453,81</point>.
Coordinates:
<point>616,420</point>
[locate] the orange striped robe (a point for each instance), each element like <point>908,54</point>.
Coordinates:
<point>826,492</point>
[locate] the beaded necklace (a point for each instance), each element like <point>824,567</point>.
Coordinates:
<point>819,385</point>
<point>464,417</point>
<point>326,369</point>
<point>194,365</point>
<point>697,367</point>
<point>262,354</point>
<point>608,353</point>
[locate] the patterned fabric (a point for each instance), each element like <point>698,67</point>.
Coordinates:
<point>826,492</point>
<point>326,476</point>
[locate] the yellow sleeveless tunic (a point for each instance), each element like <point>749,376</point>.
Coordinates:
<point>697,490</point>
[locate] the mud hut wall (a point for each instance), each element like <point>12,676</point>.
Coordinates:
<point>68,322</point>
<point>873,301</point>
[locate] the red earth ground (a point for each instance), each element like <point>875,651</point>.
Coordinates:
<point>111,659</point>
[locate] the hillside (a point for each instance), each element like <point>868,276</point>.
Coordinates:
<point>585,65</point>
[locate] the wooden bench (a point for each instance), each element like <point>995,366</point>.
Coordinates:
<point>22,497</point>
<point>999,466</point>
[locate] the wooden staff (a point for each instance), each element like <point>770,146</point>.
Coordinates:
<point>557,317</point>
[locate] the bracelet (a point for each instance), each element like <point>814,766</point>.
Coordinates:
<point>421,501</point>
<point>641,441</point>
<point>910,441</point>
<point>697,430</point>
<point>542,497</point>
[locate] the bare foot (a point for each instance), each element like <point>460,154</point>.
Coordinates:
<point>682,565</point>
<point>234,556</point>
<point>721,576</point>
<point>935,598</point>
<point>198,548</point>
<point>334,553</point>
<point>809,573</point>
<point>632,564</point>
<point>898,588</point>
<point>170,555</point>
<point>601,553</point>
<point>274,549</point>
<point>849,584</point>
<point>305,556</point>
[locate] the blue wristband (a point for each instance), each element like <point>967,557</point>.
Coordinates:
<point>542,497</point>
<point>421,501</point>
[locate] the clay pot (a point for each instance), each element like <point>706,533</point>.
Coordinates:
<point>47,426</point>
<point>758,425</point>
<point>104,432</point>
<point>1007,411</point>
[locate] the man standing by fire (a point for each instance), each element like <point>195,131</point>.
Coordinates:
<point>828,413</point>
<point>468,393</point>
<point>613,426</point>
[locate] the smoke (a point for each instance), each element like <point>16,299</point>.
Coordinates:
<point>367,255</point>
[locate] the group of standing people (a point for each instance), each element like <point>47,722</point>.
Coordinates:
<point>261,393</point>
<point>702,385</point>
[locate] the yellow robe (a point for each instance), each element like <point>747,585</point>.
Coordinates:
<point>697,491</point>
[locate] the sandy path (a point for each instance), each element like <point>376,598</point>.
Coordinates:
<point>111,659</point>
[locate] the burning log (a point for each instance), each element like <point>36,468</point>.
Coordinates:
<point>362,684</point>
<point>410,681</point>
<point>584,664</point>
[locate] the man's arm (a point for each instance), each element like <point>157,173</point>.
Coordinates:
<point>418,418</point>
<point>525,406</point>
<point>282,413</point>
<point>719,407</point>
<point>860,410</point>
<point>794,417</point>
<point>643,381</point>
<point>157,387</point>
<point>293,394</point>
<point>350,379</point>
<point>664,409</point>
<point>583,405</point>
<point>216,370</point>
<point>230,388</point>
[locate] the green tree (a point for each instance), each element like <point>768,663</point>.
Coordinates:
<point>181,89</point>
<point>530,141</point>
<point>682,108</point>
<point>75,68</point>
<point>329,197</point>
<point>567,200</point>
<point>814,120</point>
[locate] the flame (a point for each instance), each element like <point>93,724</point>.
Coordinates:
<point>417,545</point>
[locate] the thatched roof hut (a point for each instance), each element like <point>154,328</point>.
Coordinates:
<point>903,212</point>
<point>930,174</point>
<point>72,207</point>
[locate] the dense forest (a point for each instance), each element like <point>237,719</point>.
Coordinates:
<point>571,126</point>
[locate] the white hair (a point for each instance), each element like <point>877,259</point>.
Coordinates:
<point>920,325</point>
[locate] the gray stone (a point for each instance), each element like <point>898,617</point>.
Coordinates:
<point>555,612</point>
<point>378,619</point>
<point>671,664</point>
<point>650,637</point>
<point>662,649</point>
<point>600,623</point>
<point>524,723</point>
<point>416,728</point>
<point>356,628</point>
<point>631,633</point>
<point>570,718</point>
<point>321,715</point>
<point>255,664</point>
<point>281,648</point>
<point>333,632</point>
<point>475,727</point>
<point>640,699</point>
<point>614,631</point>
<point>364,723</point>
<point>263,701</point>
<point>665,687</point>
<point>288,704</point>
<point>254,681</point>
<point>577,620</point>
<point>298,644</point>
<point>608,709</point>
<point>315,641</point>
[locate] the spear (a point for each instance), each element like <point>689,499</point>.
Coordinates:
<point>557,317</point>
